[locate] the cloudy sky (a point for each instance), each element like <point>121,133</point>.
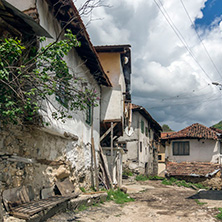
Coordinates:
<point>176,55</point>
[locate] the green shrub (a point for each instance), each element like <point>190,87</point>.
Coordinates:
<point>118,196</point>
<point>219,216</point>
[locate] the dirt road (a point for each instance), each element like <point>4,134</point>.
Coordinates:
<point>153,202</point>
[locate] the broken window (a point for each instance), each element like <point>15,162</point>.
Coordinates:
<point>181,148</point>
<point>141,146</point>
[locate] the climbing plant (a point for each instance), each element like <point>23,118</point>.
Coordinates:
<point>31,77</point>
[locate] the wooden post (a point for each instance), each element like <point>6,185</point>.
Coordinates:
<point>94,153</point>
<point>111,150</point>
<point>1,210</point>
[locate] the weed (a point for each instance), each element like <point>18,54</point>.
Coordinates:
<point>82,189</point>
<point>82,207</point>
<point>155,178</point>
<point>141,177</point>
<point>219,216</point>
<point>118,196</point>
<point>182,183</point>
<point>198,202</point>
<point>127,172</point>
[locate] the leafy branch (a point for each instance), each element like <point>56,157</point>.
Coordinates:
<point>29,76</point>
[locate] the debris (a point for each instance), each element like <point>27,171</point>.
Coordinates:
<point>65,187</point>
<point>47,192</point>
<point>16,196</point>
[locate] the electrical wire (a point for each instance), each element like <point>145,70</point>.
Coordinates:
<point>179,35</point>
<point>201,41</point>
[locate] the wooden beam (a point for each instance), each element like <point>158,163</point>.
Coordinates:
<point>107,132</point>
<point>111,138</point>
<point>106,168</point>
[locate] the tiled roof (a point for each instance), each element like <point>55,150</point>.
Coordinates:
<point>145,113</point>
<point>196,131</point>
<point>201,169</point>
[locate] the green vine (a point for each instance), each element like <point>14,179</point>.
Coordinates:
<point>30,77</point>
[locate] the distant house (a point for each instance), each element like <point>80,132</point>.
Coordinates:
<point>141,142</point>
<point>195,151</point>
<point>194,143</point>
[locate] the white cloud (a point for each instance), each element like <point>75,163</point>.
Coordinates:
<point>166,80</point>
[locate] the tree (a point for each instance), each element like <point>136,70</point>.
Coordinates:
<point>29,76</point>
<point>166,128</point>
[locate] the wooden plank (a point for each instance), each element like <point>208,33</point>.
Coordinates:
<point>111,142</point>
<point>106,168</point>
<point>95,164</point>
<point>107,132</point>
<point>1,209</point>
<point>94,152</point>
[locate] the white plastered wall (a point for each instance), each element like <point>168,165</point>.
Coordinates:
<point>200,151</point>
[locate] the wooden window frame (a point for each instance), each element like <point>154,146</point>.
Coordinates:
<point>179,148</point>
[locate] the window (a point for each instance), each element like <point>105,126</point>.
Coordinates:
<point>141,146</point>
<point>142,126</point>
<point>89,114</point>
<point>220,147</point>
<point>61,94</point>
<point>146,131</point>
<point>181,148</point>
<point>159,157</point>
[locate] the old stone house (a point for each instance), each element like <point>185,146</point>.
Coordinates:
<point>141,141</point>
<point>116,61</point>
<point>43,156</point>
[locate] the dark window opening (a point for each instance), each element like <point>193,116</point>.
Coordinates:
<point>142,126</point>
<point>181,148</point>
<point>141,146</point>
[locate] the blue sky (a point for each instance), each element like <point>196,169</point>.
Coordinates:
<point>211,10</point>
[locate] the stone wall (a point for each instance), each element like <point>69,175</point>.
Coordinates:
<point>33,157</point>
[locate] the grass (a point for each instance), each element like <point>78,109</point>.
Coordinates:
<point>142,177</point>
<point>198,202</point>
<point>219,216</point>
<point>82,189</point>
<point>182,183</point>
<point>118,196</point>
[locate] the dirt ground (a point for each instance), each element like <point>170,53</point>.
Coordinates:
<point>153,202</point>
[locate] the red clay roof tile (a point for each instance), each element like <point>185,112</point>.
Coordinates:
<point>196,131</point>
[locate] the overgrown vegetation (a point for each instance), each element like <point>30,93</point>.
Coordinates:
<point>118,196</point>
<point>179,183</point>
<point>171,181</point>
<point>219,215</point>
<point>28,77</point>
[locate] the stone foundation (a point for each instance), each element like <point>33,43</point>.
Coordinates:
<point>34,157</point>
